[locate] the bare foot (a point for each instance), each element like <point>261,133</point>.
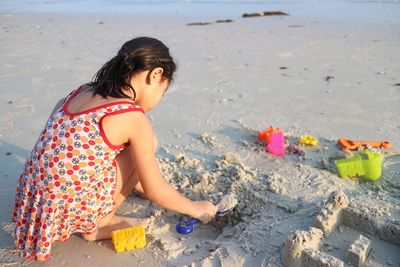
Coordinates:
<point>116,223</point>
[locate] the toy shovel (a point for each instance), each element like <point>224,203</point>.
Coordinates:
<point>351,145</point>
<point>227,203</point>
<point>187,226</point>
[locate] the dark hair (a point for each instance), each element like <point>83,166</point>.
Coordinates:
<point>139,54</point>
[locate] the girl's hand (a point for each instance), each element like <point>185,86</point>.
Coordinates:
<point>204,211</point>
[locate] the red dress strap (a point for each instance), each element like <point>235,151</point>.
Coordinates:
<point>72,94</point>
<point>110,111</point>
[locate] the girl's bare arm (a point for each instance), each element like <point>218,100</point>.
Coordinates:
<point>156,188</point>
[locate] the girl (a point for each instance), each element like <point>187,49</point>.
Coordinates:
<point>96,147</point>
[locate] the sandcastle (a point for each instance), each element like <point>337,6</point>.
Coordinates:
<point>302,247</point>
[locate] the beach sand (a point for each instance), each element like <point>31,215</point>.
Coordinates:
<point>233,80</point>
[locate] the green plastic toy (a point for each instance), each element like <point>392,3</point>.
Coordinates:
<point>366,164</point>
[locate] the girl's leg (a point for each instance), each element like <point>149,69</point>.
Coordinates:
<point>127,180</point>
<point>130,180</point>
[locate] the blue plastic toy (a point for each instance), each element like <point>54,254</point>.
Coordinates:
<point>185,227</point>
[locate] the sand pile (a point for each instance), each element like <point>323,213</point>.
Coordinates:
<point>229,176</point>
<point>269,203</point>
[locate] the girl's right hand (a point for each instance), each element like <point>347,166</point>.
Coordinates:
<point>204,211</point>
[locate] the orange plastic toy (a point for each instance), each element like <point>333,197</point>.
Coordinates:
<point>266,134</point>
<point>351,145</point>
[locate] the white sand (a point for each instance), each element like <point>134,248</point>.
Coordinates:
<point>231,83</point>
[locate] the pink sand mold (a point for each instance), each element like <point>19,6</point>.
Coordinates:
<point>301,246</point>
<point>276,144</point>
<point>367,164</point>
<point>358,251</point>
<point>274,139</point>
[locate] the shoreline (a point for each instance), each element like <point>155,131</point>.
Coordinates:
<point>333,11</point>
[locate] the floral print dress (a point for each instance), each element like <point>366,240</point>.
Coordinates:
<point>69,178</point>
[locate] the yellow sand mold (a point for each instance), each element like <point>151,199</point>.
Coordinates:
<point>129,238</point>
<point>308,140</point>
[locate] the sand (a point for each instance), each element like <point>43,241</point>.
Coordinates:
<point>234,79</point>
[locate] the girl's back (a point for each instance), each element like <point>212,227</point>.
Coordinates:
<point>86,100</point>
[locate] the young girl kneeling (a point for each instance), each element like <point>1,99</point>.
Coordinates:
<point>97,146</point>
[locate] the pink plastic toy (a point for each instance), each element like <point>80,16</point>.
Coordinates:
<point>276,144</point>
<point>274,139</point>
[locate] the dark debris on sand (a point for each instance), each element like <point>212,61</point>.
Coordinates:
<point>329,77</point>
<point>208,23</point>
<point>245,15</point>
<point>198,23</point>
<point>265,13</point>
<point>224,21</point>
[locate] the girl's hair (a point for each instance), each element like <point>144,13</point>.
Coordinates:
<point>136,55</point>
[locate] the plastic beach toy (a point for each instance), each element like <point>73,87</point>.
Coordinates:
<point>351,145</point>
<point>276,144</point>
<point>129,238</point>
<point>266,134</point>
<point>274,139</point>
<point>308,140</point>
<point>367,164</point>
<point>187,226</point>
<point>227,203</point>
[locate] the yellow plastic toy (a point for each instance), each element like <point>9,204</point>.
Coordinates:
<point>308,140</point>
<point>129,238</point>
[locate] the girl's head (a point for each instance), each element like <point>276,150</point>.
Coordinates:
<point>141,62</point>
